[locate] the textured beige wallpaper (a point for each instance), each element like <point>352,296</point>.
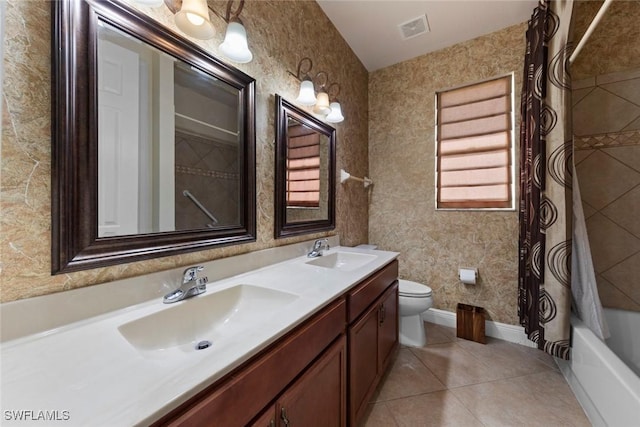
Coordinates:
<point>614,45</point>
<point>434,244</point>
<point>280,34</point>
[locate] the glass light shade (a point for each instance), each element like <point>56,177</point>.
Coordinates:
<point>235,45</point>
<point>193,19</point>
<point>150,3</point>
<point>307,94</point>
<point>335,116</point>
<point>322,106</point>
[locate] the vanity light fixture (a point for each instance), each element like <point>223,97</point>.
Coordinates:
<point>235,45</point>
<point>325,103</point>
<point>322,104</point>
<point>192,18</point>
<point>307,93</point>
<point>335,114</point>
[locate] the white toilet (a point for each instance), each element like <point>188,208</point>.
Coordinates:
<point>415,299</point>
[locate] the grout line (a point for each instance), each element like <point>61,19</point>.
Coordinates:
<point>619,96</point>
<point>584,97</point>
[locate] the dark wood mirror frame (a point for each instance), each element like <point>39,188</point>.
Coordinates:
<point>284,111</point>
<point>75,242</point>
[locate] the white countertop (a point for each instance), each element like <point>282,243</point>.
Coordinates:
<point>89,370</point>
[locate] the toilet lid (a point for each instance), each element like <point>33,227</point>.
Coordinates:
<point>408,288</point>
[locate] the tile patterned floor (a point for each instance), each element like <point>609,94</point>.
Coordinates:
<point>455,382</point>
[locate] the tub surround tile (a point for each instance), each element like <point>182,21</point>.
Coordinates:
<point>607,179</point>
<point>626,89</point>
<point>611,296</point>
<point>625,211</point>
<point>629,155</point>
<point>624,277</point>
<point>588,210</point>
<point>580,155</point>
<point>610,243</point>
<point>603,112</point>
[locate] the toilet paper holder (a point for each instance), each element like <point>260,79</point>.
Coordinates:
<point>468,276</point>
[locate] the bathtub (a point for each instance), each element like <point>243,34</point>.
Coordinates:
<point>605,377</point>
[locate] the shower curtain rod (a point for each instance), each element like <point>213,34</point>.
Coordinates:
<point>590,30</point>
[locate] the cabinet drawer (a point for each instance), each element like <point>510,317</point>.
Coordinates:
<point>368,291</point>
<point>247,392</point>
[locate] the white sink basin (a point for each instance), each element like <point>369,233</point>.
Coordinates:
<point>345,261</point>
<point>215,317</point>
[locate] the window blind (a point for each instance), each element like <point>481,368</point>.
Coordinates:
<point>474,143</point>
<point>303,167</point>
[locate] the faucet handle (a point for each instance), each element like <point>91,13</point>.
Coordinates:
<point>190,274</point>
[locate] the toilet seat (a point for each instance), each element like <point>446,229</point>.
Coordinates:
<point>410,289</point>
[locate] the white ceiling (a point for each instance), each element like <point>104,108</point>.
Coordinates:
<point>370,27</point>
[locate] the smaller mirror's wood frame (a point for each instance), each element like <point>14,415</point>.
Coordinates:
<point>284,110</point>
<point>75,242</point>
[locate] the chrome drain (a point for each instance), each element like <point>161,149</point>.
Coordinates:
<point>203,344</point>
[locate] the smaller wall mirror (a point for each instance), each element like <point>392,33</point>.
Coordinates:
<point>305,172</point>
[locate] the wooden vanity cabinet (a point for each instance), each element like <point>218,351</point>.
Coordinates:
<point>372,336</point>
<point>317,398</point>
<point>247,391</point>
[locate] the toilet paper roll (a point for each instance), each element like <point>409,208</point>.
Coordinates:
<point>468,276</point>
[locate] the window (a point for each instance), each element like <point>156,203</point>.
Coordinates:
<point>474,146</point>
<point>303,167</point>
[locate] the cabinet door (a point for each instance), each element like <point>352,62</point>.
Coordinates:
<point>318,398</point>
<point>267,419</point>
<point>388,333</point>
<point>363,361</point>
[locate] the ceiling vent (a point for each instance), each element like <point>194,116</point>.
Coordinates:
<point>414,27</point>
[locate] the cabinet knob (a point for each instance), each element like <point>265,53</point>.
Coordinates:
<point>272,423</point>
<point>283,416</point>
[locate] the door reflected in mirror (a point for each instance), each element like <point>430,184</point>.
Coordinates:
<point>305,172</point>
<point>153,141</point>
<point>169,142</point>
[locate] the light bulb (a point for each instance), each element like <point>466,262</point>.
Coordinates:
<point>195,19</point>
<point>322,106</point>
<point>307,94</point>
<point>335,116</point>
<point>235,45</point>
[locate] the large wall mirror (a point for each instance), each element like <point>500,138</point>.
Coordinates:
<point>153,141</point>
<point>305,172</point>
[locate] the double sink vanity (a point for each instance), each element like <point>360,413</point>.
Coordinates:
<point>302,341</point>
<point>275,338</point>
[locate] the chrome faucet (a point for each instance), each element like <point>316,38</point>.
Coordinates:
<point>318,248</point>
<point>192,285</point>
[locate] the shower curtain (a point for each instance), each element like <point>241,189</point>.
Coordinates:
<point>544,276</point>
<point>584,289</point>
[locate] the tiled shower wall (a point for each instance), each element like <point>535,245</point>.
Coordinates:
<point>607,156</point>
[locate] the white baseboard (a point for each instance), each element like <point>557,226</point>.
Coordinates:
<point>493,329</point>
